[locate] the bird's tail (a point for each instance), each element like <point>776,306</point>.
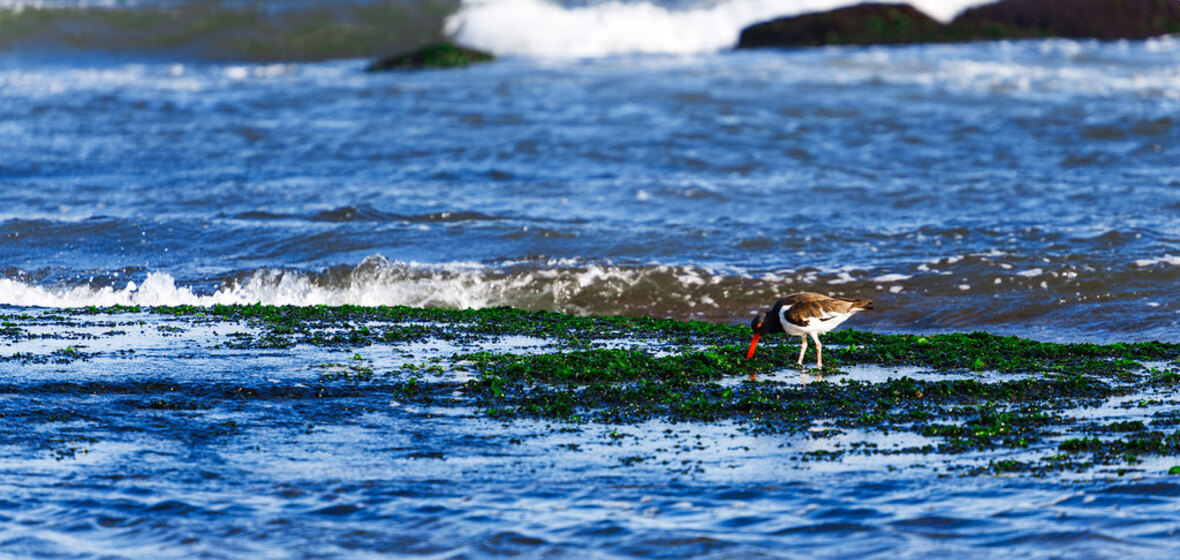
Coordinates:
<point>862,304</point>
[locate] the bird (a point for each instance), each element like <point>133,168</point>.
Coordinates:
<point>805,314</point>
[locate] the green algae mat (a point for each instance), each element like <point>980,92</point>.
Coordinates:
<point>974,403</point>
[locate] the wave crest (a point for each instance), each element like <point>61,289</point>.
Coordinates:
<point>590,289</point>
<point>956,293</point>
<point>546,29</point>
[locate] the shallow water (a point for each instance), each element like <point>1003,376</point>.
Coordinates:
<point>160,438</point>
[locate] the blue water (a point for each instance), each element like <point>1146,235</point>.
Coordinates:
<point>1027,188</point>
<point>190,446</point>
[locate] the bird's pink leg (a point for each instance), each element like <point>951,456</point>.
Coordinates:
<point>802,349</point>
<point>819,351</point>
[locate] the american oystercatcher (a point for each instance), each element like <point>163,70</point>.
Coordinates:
<point>805,314</point>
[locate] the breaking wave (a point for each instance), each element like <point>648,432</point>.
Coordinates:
<point>588,289</point>
<point>544,28</point>
<point>1041,301</point>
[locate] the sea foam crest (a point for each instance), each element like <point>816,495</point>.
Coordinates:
<point>543,28</point>
<point>158,289</point>
<point>592,288</point>
<point>373,282</point>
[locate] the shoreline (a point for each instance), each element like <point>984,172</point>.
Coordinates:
<point>188,432</point>
<point>1029,407</point>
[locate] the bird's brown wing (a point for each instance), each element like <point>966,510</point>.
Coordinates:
<point>801,313</point>
<point>805,306</point>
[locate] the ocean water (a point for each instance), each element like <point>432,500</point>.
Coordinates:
<point>618,158</point>
<point>1025,188</point>
<point>136,435</point>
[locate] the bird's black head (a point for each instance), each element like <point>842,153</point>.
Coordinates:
<point>765,322</point>
<point>758,323</point>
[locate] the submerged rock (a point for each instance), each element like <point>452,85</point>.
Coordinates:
<point>864,24</point>
<point>884,24</point>
<point>438,55</point>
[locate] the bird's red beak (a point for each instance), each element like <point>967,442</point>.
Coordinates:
<point>753,345</point>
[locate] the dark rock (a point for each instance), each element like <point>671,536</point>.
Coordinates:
<point>438,55</point>
<point>864,24</point>
<point>885,24</point>
<point>1076,19</point>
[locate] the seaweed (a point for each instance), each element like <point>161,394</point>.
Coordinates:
<point>1008,394</point>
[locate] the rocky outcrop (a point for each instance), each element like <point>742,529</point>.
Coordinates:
<point>885,24</point>
<point>438,55</point>
<point>864,24</point>
<point>1077,19</point>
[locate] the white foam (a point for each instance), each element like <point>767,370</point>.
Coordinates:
<point>842,277</point>
<point>373,282</point>
<point>1054,74</point>
<point>1166,259</point>
<point>892,277</point>
<point>1031,273</point>
<point>541,28</point>
<point>1166,43</point>
<point>378,281</point>
<point>157,289</point>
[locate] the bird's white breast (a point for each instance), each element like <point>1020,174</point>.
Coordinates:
<point>822,324</point>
